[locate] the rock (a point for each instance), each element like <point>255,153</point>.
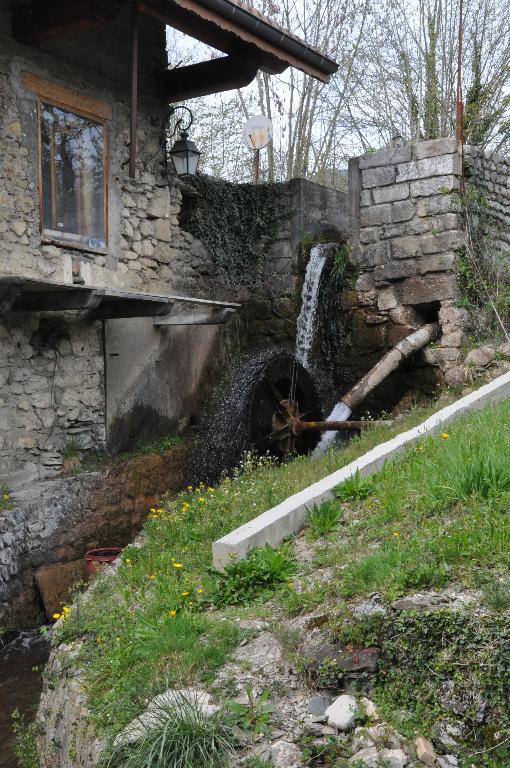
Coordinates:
<point>425,751</point>
<point>455,376</point>
<point>370,708</point>
<point>447,734</point>
<point>447,761</point>
<point>159,705</point>
<point>338,660</point>
<point>373,757</point>
<point>341,712</point>
<point>285,754</point>
<point>318,705</point>
<point>262,652</point>
<point>466,700</point>
<point>369,607</point>
<point>56,582</point>
<point>504,349</point>
<point>383,735</point>
<point>481,357</point>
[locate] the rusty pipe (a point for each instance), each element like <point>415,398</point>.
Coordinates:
<point>334,426</point>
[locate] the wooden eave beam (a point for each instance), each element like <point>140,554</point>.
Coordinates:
<point>207,77</point>
<point>39,21</point>
<point>223,39</point>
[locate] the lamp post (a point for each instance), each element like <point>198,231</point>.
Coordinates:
<point>184,152</point>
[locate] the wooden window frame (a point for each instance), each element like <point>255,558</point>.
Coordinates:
<point>96,110</point>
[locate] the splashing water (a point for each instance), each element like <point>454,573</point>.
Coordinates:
<point>309,301</point>
<point>340,412</point>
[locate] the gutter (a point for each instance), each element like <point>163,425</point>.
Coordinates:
<point>271,34</point>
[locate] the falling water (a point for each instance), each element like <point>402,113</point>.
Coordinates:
<point>340,412</point>
<point>309,301</point>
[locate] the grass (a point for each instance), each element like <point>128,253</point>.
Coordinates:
<point>149,626</point>
<point>5,498</point>
<point>437,514</point>
<point>179,736</point>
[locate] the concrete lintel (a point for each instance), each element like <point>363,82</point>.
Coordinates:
<point>273,526</point>
<point>211,317</point>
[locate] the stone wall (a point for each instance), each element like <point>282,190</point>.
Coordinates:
<point>406,229</point>
<point>489,173</point>
<point>58,520</point>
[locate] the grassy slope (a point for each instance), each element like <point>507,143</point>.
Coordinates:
<point>144,628</point>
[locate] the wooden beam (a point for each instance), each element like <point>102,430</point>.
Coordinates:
<point>207,77</point>
<point>57,301</point>
<point>37,21</point>
<point>58,94</point>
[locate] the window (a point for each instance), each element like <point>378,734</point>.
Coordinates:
<point>73,164</point>
<point>73,178</point>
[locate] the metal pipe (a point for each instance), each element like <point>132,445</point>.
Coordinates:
<point>134,92</point>
<point>336,426</point>
<point>390,362</point>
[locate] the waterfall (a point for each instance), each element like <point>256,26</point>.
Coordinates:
<point>309,301</point>
<point>340,412</point>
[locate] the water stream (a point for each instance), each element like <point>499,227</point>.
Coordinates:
<point>22,657</point>
<point>305,330</point>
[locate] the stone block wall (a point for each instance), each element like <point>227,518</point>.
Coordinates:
<point>489,173</point>
<point>406,229</point>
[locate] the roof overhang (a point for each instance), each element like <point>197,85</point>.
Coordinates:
<point>26,295</point>
<point>224,24</point>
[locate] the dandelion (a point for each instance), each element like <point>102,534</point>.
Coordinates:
<point>396,534</point>
<point>151,576</point>
<point>177,565</point>
<point>172,614</point>
<point>201,499</point>
<point>189,488</point>
<point>5,496</point>
<point>152,510</point>
<point>127,561</point>
<point>184,594</point>
<point>56,616</point>
<point>159,511</point>
<point>444,435</point>
<point>200,591</point>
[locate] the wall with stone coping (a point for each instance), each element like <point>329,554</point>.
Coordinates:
<point>406,229</point>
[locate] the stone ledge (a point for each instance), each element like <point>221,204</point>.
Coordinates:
<point>273,526</point>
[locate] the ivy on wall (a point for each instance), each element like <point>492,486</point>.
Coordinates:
<point>237,224</point>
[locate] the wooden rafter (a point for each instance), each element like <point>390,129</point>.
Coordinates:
<point>36,21</point>
<point>207,77</point>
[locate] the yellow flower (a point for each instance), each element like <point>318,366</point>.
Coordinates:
<point>177,565</point>
<point>200,590</point>
<point>152,510</point>
<point>151,576</point>
<point>159,511</point>
<point>127,561</point>
<point>444,435</point>
<point>172,614</point>
<point>396,534</point>
<point>201,499</point>
<point>184,594</point>
<point>56,615</point>
<point>210,490</point>
<point>189,488</point>
<point>5,496</point>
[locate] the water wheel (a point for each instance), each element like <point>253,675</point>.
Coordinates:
<point>284,391</point>
<point>253,411</point>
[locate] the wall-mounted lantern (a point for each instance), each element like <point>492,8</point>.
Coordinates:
<point>184,153</point>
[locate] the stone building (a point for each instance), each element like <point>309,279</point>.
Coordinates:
<point>91,250</point>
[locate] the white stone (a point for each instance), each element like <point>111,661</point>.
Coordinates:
<point>372,757</point>
<point>285,754</point>
<point>425,751</point>
<point>447,761</point>
<point>341,712</point>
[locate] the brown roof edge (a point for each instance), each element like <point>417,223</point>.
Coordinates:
<point>254,28</point>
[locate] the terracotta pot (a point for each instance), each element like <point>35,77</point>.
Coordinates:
<point>94,557</point>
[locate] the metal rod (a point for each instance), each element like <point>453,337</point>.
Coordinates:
<point>336,426</point>
<point>134,92</point>
<point>257,166</point>
<point>459,118</point>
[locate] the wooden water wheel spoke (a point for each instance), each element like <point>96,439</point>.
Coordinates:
<point>274,395</point>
